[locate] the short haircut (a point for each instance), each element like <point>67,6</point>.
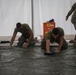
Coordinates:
<point>55,31</point>
<point>18,25</point>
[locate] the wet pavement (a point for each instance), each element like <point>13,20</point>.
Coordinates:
<point>32,61</point>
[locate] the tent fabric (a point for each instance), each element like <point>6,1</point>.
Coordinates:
<point>13,11</point>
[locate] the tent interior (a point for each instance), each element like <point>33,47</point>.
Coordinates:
<point>34,13</point>
<point>31,60</point>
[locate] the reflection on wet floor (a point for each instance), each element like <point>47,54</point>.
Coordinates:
<point>32,61</point>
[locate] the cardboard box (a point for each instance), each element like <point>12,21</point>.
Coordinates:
<point>48,26</point>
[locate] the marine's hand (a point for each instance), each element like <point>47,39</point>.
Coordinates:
<point>9,46</point>
<point>66,18</point>
<point>25,45</point>
<point>57,51</point>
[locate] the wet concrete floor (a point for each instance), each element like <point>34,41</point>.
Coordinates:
<point>32,61</point>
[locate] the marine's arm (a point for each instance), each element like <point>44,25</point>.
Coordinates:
<point>60,44</point>
<point>71,11</point>
<point>12,39</point>
<point>29,39</point>
<point>47,45</point>
<point>31,36</point>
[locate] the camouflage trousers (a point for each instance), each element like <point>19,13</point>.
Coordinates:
<point>23,40</point>
<point>43,44</point>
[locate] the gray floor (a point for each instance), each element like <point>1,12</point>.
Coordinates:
<point>32,61</point>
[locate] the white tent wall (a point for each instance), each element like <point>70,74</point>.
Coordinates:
<point>56,9</point>
<point>13,11</point>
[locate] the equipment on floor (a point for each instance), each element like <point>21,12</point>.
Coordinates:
<point>1,42</point>
<point>51,53</point>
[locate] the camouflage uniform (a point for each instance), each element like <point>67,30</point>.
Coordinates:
<point>73,19</point>
<point>25,35</point>
<point>52,40</point>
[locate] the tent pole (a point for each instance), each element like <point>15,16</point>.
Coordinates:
<point>32,15</point>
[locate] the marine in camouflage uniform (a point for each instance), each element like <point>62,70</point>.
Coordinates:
<point>50,37</point>
<point>26,38</point>
<point>73,19</point>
